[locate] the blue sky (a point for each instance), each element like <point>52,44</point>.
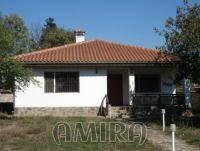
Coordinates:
<point>125,21</point>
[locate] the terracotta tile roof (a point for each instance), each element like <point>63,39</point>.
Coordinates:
<point>93,51</point>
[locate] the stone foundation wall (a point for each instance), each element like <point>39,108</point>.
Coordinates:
<point>56,111</point>
<point>6,98</point>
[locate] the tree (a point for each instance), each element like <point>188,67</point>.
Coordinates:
<point>50,24</point>
<point>13,75</point>
<point>5,40</point>
<point>19,32</point>
<point>182,38</point>
<point>54,36</point>
<point>35,37</point>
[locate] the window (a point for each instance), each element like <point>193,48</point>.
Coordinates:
<point>64,81</point>
<point>67,82</point>
<point>147,83</point>
<point>49,82</point>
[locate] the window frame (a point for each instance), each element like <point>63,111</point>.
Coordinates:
<point>54,80</point>
<point>158,83</point>
<point>67,91</point>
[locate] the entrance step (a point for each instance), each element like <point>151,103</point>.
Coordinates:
<point>121,111</point>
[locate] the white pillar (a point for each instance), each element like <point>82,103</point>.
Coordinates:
<point>163,118</point>
<point>173,129</point>
<point>131,84</point>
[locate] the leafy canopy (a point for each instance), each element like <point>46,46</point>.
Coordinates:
<point>15,38</point>
<point>50,35</point>
<point>182,38</point>
<point>5,41</point>
<point>13,75</point>
<point>18,32</point>
<point>55,36</point>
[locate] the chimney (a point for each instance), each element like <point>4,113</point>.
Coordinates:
<point>79,35</point>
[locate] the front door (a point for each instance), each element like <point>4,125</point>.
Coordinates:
<point>114,88</point>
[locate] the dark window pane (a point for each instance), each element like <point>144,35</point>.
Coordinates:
<point>147,83</point>
<point>67,82</point>
<point>49,82</point>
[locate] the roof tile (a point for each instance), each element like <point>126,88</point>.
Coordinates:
<point>97,51</point>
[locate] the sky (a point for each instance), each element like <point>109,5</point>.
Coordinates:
<point>124,21</point>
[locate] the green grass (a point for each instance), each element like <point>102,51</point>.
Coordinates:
<point>190,134</point>
<point>35,133</point>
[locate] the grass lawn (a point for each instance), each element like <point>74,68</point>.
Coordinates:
<point>190,134</point>
<point>35,133</point>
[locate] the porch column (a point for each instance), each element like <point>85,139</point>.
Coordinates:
<point>131,84</point>
<point>187,93</point>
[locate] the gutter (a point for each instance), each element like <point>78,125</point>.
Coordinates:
<point>101,64</point>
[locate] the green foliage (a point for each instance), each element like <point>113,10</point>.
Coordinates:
<point>182,38</point>
<point>11,71</point>
<point>19,32</point>
<point>53,36</point>
<point>5,40</point>
<point>50,24</point>
<point>49,35</point>
<point>16,39</point>
<point>13,75</point>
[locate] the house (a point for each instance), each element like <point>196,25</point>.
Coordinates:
<point>74,78</point>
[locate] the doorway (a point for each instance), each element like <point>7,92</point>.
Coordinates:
<point>114,88</point>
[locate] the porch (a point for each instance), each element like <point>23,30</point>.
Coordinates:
<point>141,86</point>
<point>146,89</point>
<point>144,105</point>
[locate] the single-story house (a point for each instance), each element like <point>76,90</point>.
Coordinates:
<point>74,78</point>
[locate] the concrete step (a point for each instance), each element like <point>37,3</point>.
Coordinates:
<point>121,107</point>
<point>121,111</point>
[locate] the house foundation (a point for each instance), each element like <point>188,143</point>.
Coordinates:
<point>56,111</point>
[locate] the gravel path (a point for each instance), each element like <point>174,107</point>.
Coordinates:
<point>158,138</point>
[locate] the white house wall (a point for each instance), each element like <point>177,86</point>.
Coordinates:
<point>93,87</point>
